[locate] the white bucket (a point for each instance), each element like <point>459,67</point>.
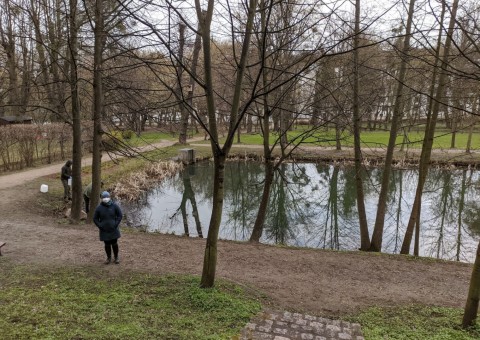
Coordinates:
<point>70,181</point>
<point>43,188</point>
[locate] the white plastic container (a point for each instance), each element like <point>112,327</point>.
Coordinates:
<point>70,181</point>
<point>43,188</point>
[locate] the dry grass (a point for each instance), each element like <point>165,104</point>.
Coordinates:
<point>137,183</point>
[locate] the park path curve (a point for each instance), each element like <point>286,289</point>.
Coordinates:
<point>10,180</point>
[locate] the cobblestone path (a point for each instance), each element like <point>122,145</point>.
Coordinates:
<point>285,326</point>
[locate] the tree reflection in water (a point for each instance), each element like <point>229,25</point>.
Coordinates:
<point>313,205</point>
<point>189,195</point>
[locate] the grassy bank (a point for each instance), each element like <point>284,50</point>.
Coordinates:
<point>89,303</point>
<point>85,303</point>
<point>370,139</point>
<point>414,322</point>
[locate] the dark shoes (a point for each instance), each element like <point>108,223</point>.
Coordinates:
<point>109,260</point>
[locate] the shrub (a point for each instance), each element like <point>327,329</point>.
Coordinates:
<point>127,134</point>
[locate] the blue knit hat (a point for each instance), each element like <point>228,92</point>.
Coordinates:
<point>105,194</point>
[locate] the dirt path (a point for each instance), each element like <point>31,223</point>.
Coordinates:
<point>317,282</point>
<point>16,178</point>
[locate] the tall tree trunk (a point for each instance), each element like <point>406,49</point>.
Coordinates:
<point>210,256</point>
<point>284,121</point>
<point>48,47</point>
<point>416,247</point>
<point>338,130</point>
<point>76,119</point>
<point>57,69</point>
<point>182,136</point>
<point>40,48</point>
<point>24,93</point>
<point>377,235</point>
<point>406,129</point>
<point>444,207</point>
<point>461,206</point>
<point>430,131</point>
<point>220,153</point>
<point>197,46</point>
<point>98,105</point>
<point>473,121</point>
<point>454,129</point>
<point>334,200</point>
<point>249,123</point>
<point>262,209</point>
<point>7,41</point>
<point>399,211</point>
<point>471,306</point>
<point>362,216</point>
<point>187,107</point>
<point>267,153</point>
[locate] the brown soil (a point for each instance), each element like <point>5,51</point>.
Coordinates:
<point>327,283</point>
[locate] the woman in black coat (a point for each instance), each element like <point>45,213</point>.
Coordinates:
<point>107,218</point>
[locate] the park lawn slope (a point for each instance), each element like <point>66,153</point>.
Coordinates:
<point>86,303</point>
<point>369,139</point>
<point>414,322</point>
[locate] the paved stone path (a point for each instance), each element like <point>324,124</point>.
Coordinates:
<point>285,326</point>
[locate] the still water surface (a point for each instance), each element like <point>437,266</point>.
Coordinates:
<point>313,205</point>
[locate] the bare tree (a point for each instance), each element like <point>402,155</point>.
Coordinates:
<point>471,306</point>
<point>98,103</point>
<point>364,236</point>
<point>220,152</point>
<point>75,107</point>
<point>428,142</point>
<point>377,236</point>
<point>284,95</point>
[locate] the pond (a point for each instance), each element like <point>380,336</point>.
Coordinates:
<point>314,205</point>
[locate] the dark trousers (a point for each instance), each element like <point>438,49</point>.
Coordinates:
<point>66,189</point>
<point>109,245</point>
<point>87,203</point>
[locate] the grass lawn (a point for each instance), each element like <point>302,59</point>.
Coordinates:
<point>84,303</point>
<point>414,322</point>
<point>370,139</point>
<point>151,137</point>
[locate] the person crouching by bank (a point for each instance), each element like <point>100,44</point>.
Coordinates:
<point>86,195</point>
<point>107,218</point>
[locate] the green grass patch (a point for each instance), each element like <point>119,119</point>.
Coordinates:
<point>371,139</point>
<point>149,137</point>
<point>414,322</point>
<point>84,304</point>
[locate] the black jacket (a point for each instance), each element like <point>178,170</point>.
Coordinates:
<point>66,171</point>
<point>107,218</point>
